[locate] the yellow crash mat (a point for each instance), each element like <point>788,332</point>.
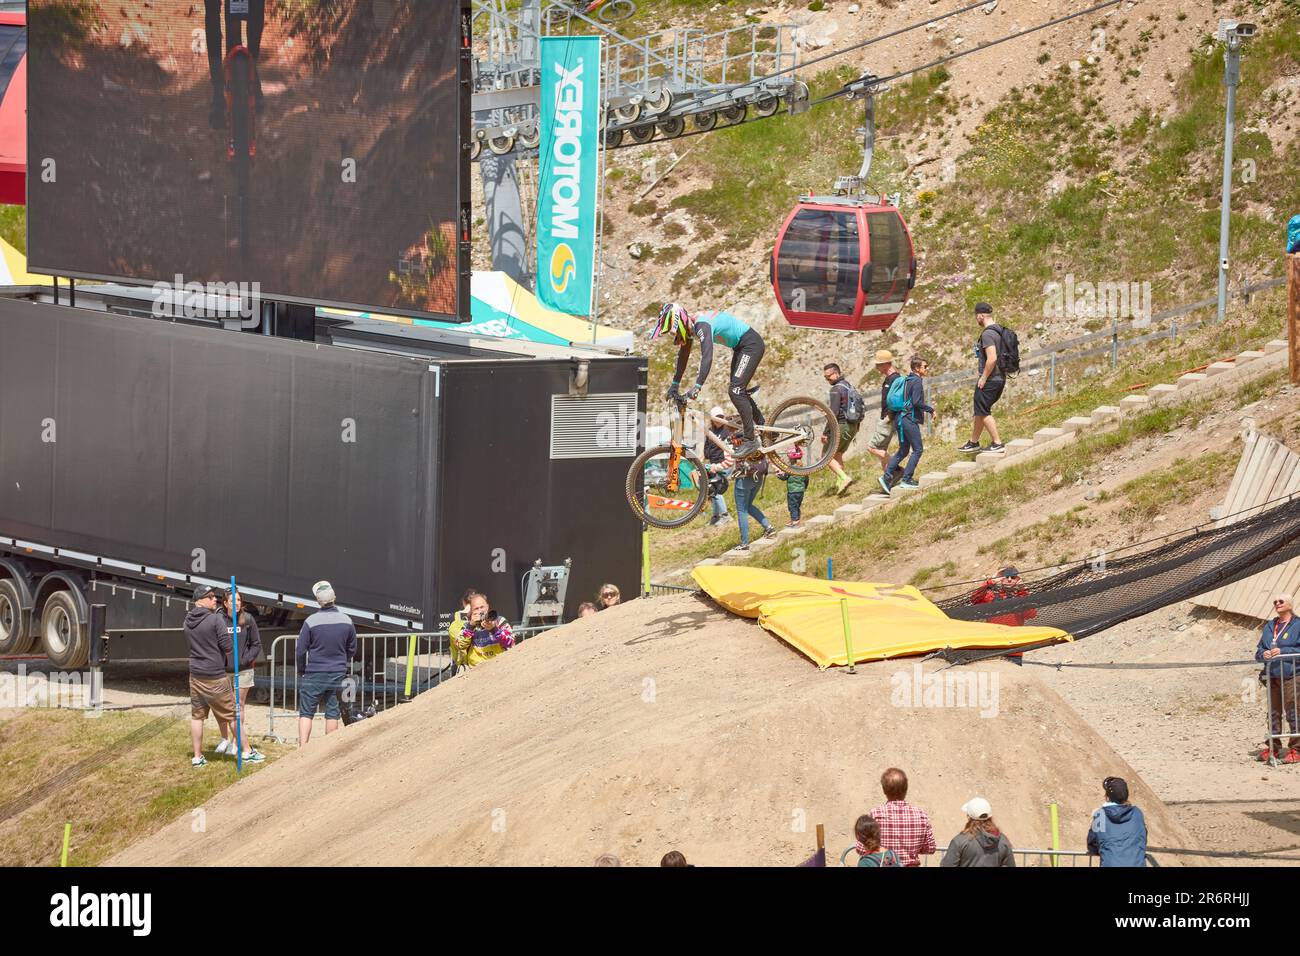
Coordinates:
<point>885,620</point>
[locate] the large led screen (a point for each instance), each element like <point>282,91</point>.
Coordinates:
<point>307,150</point>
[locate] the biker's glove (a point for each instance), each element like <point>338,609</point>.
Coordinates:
<point>693,393</point>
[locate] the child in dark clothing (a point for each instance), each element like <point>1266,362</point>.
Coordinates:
<point>795,487</point>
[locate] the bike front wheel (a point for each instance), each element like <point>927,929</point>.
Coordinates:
<point>811,419</point>
<point>650,496</point>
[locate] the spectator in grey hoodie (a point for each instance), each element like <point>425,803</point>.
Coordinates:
<point>327,645</point>
<point>1118,833</point>
<point>981,843</point>
<point>210,651</point>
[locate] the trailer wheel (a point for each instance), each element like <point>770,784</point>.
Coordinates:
<point>63,632</point>
<point>14,638</point>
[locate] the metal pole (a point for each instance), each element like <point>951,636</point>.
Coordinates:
<point>1056,833</point>
<point>234,643</point>
<point>1231,76</point>
<point>98,626</point>
<point>601,157</point>
<point>1051,378</point>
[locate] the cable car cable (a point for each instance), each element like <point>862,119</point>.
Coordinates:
<point>866,43</point>
<point>845,91</point>
<point>984,46</point>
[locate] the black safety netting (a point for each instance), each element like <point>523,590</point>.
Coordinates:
<point>1109,588</point>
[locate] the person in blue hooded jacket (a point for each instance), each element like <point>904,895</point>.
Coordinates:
<point>1118,832</point>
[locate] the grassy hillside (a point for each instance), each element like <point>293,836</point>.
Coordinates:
<point>1051,185</point>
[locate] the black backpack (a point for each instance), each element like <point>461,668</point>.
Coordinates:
<point>1009,354</point>
<point>854,407</point>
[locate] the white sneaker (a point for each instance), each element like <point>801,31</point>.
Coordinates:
<point>223,746</point>
<point>253,756</point>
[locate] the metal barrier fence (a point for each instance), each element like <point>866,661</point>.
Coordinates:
<point>665,590</point>
<point>389,668</point>
<point>1281,693</point>
<point>1109,342</point>
<point>1049,858</point>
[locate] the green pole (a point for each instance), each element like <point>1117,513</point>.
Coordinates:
<point>1056,834</point>
<point>645,559</point>
<point>848,634</point>
<point>67,838</point>
<point>410,663</point>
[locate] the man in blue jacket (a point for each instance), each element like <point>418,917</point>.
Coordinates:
<point>1118,833</point>
<point>909,427</point>
<point>1278,645</point>
<point>327,644</point>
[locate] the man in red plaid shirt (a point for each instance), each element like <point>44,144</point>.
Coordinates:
<point>905,829</point>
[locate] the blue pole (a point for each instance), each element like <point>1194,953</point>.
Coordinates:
<point>234,620</point>
<point>830,571</point>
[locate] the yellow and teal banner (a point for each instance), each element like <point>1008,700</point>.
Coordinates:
<point>567,174</point>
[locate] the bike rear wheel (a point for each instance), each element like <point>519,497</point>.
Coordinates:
<point>651,499</point>
<point>812,419</point>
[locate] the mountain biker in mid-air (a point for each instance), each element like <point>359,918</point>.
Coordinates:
<point>746,352</point>
<point>212,11</point>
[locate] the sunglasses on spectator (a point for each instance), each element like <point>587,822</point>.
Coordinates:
<point>1278,601</point>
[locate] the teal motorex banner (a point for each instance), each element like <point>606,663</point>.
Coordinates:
<point>567,183</point>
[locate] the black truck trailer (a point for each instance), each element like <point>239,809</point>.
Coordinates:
<point>139,457</point>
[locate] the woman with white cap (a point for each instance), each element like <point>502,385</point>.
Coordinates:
<point>981,843</point>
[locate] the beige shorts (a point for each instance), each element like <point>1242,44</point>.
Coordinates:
<point>886,429</point>
<point>212,694</point>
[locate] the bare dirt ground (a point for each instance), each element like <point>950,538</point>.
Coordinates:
<point>659,724</point>
<point>1156,690</point>
<point>668,724</point>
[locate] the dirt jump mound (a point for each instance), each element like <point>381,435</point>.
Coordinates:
<point>663,724</point>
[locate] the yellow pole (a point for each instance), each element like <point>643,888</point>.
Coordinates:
<point>410,663</point>
<point>1056,834</point>
<point>67,838</point>
<point>645,560</point>
<point>848,635</point>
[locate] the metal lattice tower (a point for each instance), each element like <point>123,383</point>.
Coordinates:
<point>655,87</point>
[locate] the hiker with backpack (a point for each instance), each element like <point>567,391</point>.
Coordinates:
<point>848,408</point>
<point>997,354</point>
<point>906,400</point>
<point>887,424</point>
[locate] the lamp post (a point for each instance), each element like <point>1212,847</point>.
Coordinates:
<point>1230,34</point>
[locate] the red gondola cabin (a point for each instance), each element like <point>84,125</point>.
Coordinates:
<point>844,263</point>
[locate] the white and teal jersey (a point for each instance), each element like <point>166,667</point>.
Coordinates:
<point>727,329</point>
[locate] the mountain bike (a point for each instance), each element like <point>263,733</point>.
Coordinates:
<point>241,109</point>
<point>668,486</point>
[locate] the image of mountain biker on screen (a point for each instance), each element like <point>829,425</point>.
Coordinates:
<point>256,19</point>
<point>746,353</point>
